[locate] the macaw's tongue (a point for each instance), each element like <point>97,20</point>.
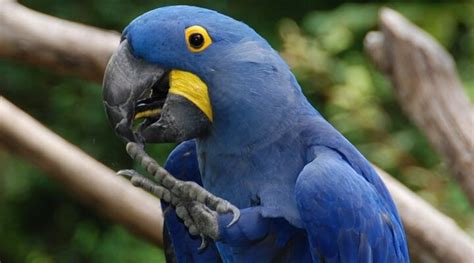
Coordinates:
<point>149,108</point>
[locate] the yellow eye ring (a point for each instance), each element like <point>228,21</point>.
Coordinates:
<point>197,38</point>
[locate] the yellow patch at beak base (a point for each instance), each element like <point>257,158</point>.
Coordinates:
<point>190,86</point>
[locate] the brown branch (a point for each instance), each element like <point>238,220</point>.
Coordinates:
<point>435,234</point>
<point>63,46</point>
<point>429,91</point>
<point>431,234</point>
<point>95,184</point>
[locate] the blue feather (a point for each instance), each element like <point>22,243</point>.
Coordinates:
<point>182,163</point>
<point>303,189</point>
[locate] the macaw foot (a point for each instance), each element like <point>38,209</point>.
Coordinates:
<point>198,218</point>
<point>194,205</point>
<point>182,190</point>
<point>141,181</point>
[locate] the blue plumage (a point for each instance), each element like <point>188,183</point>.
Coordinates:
<point>278,240</point>
<point>183,164</point>
<point>304,191</point>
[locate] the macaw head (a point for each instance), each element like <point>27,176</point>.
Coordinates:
<point>186,72</point>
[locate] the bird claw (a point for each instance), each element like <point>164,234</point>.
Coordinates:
<point>203,243</point>
<point>127,173</point>
<point>236,215</point>
<point>195,192</point>
<point>146,184</point>
<point>172,190</point>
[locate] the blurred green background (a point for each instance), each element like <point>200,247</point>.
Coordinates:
<point>321,40</point>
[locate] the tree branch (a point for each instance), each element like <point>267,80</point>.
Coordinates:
<point>60,45</point>
<point>433,234</point>
<point>95,184</point>
<point>429,91</point>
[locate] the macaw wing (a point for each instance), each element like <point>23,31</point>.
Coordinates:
<point>180,246</point>
<point>345,216</point>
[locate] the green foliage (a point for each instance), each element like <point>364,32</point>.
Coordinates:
<point>326,55</point>
<point>41,222</point>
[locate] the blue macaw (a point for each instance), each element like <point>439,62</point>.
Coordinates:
<point>297,190</point>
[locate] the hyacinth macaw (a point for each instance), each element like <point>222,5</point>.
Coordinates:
<point>296,189</point>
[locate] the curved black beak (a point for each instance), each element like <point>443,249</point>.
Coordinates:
<point>127,79</point>
<point>135,89</point>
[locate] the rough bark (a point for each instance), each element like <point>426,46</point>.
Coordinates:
<point>429,91</point>
<point>95,184</point>
<point>432,236</point>
<point>63,46</point>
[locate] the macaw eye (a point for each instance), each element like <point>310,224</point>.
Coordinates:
<point>197,38</point>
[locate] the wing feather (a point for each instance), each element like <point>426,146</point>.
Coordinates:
<point>346,218</point>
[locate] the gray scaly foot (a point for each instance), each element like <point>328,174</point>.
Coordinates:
<point>183,190</point>
<point>197,217</point>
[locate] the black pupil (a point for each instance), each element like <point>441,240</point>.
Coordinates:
<point>196,40</point>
